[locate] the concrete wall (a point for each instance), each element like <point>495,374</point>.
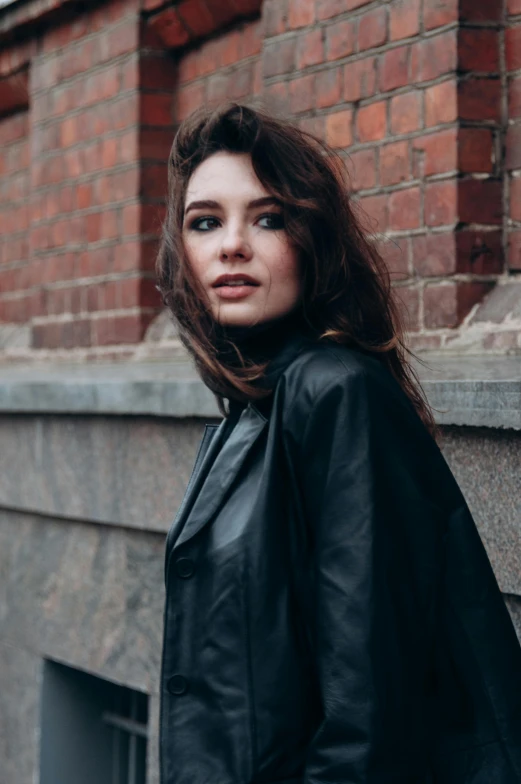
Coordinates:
<point>85,505</point>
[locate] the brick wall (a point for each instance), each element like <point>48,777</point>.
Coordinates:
<point>513,137</point>
<point>420,97</point>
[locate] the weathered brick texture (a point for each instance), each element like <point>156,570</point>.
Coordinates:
<point>410,93</point>
<point>513,134</point>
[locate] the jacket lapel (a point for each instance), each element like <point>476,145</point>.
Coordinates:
<point>222,472</point>
<point>209,447</point>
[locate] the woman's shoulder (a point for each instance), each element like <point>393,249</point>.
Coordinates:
<point>323,364</point>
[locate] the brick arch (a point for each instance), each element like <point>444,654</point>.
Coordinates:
<point>177,24</point>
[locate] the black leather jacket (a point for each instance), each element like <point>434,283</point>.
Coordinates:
<point>331,615</point>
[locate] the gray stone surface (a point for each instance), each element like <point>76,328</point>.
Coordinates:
<point>486,464</point>
<point>20,675</point>
<point>479,391</point>
<point>117,470</point>
<point>475,391</point>
<point>88,596</point>
<point>138,388</point>
<point>503,300</point>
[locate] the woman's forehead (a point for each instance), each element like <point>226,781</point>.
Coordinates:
<point>225,174</point>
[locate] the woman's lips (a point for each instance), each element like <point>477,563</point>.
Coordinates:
<point>234,292</point>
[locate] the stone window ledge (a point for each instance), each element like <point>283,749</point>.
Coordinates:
<point>472,390</point>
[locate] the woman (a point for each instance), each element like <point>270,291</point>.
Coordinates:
<point>331,616</point>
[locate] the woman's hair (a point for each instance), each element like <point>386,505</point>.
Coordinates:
<point>347,295</point>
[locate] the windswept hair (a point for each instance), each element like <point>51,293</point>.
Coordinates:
<point>347,294</point>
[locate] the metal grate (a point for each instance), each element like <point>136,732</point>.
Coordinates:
<point>93,731</point>
<point>128,721</point>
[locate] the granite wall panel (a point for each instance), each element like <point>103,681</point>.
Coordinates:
<point>90,596</point>
<point>487,466</point>
<point>20,673</point>
<point>84,506</point>
<point>129,471</point>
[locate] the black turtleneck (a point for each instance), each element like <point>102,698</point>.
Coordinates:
<point>260,342</point>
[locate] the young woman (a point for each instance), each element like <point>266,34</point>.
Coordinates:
<point>331,615</point>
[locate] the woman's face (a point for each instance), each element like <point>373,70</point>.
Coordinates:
<point>236,243</point>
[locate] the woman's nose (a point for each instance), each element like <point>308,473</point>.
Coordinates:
<point>235,244</point>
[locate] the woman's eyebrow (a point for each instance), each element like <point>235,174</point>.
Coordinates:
<point>209,204</point>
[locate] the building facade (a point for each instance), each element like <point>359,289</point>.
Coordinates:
<point>100,412</point>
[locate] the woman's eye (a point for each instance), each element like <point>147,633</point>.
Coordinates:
<point>201,224</point>
<point>274,219</point>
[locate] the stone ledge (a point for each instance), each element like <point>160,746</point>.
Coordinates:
<point>477,391</point>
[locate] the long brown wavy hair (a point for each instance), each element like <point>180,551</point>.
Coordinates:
<point>347,293</point>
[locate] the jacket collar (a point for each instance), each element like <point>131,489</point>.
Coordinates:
<point>222,462</point>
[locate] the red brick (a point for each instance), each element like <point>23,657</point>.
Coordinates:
<point>435,153</point>
<point>405,19</point>
<point>440,305</point>
<point>484,11</point>
<point>515,199</point>
<point>166,28</point>
<point>405,113</point>
<point>155,143</point>
<point>434,254</point>
<point>434,57</point>
<point>373,212</point>
<point>310,49</point>
<point>514,7</point>
<point>394,68</point>
<point>156,109</point>
<point>405,209</point>
<point>396,253</point>
<point>514,251</point>
<point>301,13</point>
<point>340,39</point>
<point>339,129</point>
<point>437,13</point>
<point>275,17</point>
<point>394,163</point>
<point>514,97</point>
<point>251,39</point>
<point>196,17</point>
<point>441,203</point>
<point>154,180</point>
<point>372,29</point>
<point>371,122</point>
<point>189,98</point>
<point>479,252</point>
<point>219,87</point>
<point>329,87</point>
<point>302,94</point>
<point>513,47</point>
<point>276,95</point>
<point>408,301</point>
<point>329,8</point>
<point>441,103</point>
<point>480,201</point>
<point>241,82</point>
<point>362,169</point>
<point>513,148</point>
<point>480,99</point>
<point>258,83</point>
<point>279,57</point>
<point>123,329</point>
<point>155,72</point>
<point>476,150</point>
<point>360,79</point>
<point>478,49</point>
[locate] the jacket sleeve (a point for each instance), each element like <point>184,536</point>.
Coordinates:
<point>376,540</point>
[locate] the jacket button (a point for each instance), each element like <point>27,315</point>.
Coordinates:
<point>185,567</point>
<point>177,684</point>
